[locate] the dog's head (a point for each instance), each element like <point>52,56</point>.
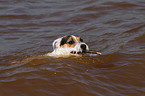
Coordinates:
<point>69,45</point>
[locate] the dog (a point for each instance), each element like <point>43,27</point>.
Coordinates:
<point>64,47</point>
<point>68,46</point>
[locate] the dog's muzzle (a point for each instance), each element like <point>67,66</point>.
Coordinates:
<point>83,49</point>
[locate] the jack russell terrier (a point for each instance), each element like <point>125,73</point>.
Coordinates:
<point>70,46</point>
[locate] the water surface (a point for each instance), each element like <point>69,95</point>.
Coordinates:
<point>116,28</point>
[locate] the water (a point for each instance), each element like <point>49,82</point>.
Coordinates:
<point>116,28</point>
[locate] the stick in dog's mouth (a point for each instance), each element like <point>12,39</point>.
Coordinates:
<point>94,52</point>
<point>85,53</point>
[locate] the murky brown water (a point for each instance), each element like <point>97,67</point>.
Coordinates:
<point>116,28</point>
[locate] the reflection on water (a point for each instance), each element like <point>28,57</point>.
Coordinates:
<point>115,28</point>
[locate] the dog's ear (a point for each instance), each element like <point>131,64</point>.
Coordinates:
<point>64,40</point>
<point>56,43</point>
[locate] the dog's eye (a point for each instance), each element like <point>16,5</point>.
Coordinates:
<point>71,42</point>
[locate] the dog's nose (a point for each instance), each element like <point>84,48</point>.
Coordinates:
<point>83,46</point>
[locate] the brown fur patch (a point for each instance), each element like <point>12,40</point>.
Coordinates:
<point>69,42</point>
